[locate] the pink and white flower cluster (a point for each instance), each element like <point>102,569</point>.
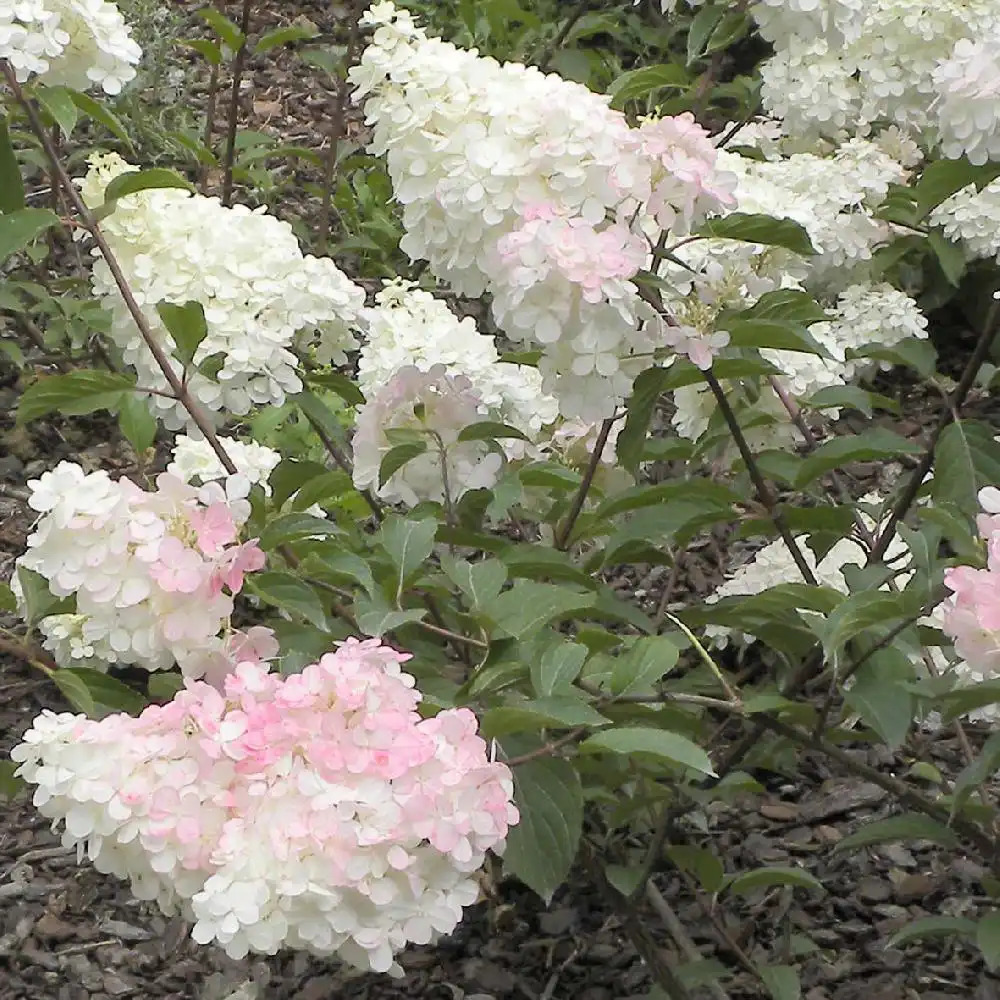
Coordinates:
<point>69,43</point>
<point>260,294</point>
<point>972,612</point>
<point>152,574</point>
<point>316,811</point>
<point>530,187</point>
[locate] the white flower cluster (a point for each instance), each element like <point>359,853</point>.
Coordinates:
<point>846,64</point>
<point>317,811</point>
<point>69,43</point>
<point>246,270</point>
<point>524,184</point>
<point>152,574</point>
<point>973,217</point>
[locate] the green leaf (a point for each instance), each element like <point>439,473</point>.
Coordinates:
<point>38,600</point>
<point>8,602</point>
<point>549,475</point>
<point>638,83</point>
<point>490,430</point>
<point>290,475</point>
<point>649,659</point>
<point>10,784</point>
<point>703,490</point>
<point>19,228</point>
<point>289,593</point>
<point>942,178</point>
<point>701,863</point>
<point>105,693</point>
<point>162,686</point>
<point>879,696</point>
<point>408,544</point>
<point>144,180</point>
<point>285,36</point>
<point>987,939</point>
<point>703,25</point>
<point>875,443</point>
<point>909,826</point>
<point>863,610</point>
<point>966,458</point>
<point>331,485</point>
<point>935,927</point>
<point>851,397</point>
<point>223,27</point>
<point>74,691</point>
<point>293,528</point>
<point>656,742</point>
<point>375,617</point>
<point>340,384</point>
<point>99,113</point>
<point>963,700</point>
<point>541,848</point>
<point>59,103</point>
<point>11,183</point>
<point>787,304</point>
<point>73,394</point>
<point>480,582</point>
<point>338,566</point>
<point>949,255</point>
<point>211,52</point>
<point>782,981</point>
<point>136,422</point>
<point>764,229</point>
<point>557,667</point>
<point>764,878</point>
<point>775,334</point>
<point>187,326</point>
<point>527,606</point>
<point>646,390</point>
<point>920,355</point>
<point>395,458</point>
<point>553,712</point>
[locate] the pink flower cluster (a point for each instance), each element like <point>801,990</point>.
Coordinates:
<point>972,613</point>
<point>152,574</point>
<point>316,811</point>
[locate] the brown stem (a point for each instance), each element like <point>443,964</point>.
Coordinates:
<point>550,748</point>
<point>948,414</point>
<point>209,134</point>
<point>239,61</point>
<point>563,533</point>
<point>553,47</point>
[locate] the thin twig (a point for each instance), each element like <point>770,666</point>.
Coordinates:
<point>564,532</point>
<point>239,60</point>
<point>568,25</point>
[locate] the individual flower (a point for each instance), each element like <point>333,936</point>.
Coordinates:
<point>317,811</point>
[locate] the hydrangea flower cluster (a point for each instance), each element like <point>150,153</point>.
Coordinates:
<point>69,43</point>
<point>152,574</point>
<point>317,811</point>
<point>259,293</point>
<point>972,612</point>
<point>847,64</point>
<point>973,218</point>
<point>525,185</point>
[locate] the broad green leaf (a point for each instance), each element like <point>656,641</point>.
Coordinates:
<point>639,83</point>
<point>764,878</point>
<point>988,939</point>
<point>975,774</point>
<point>375,617</point>
<point>649,659</point>
<point>646,390</point>
<point>396,457</point>
<point>950,256</point>
<point>963,700</point>
<point>339,566</point>
<point>290,475</point>
<point>625,879</point>
<point>771,333</point>
<point>8,602</point>
<point>527,606</point>
<point>787,304</point>
<point>682,373</point>
<point>934,927</point>
<point>73,394</point>
<point>782,981</point>
<point>735,24</point>
<point>879,695</point>
<point>760,229</point>
<point>909,826</point>
<point>289,593</point>
<point>541,848</point>
<point>851,397</point>
<point>698,972</point>
<point>59,103</point>
<point>223,27</point>
<point>211,52</point>
<point>408,544</point>
<point>557,667</point>
<point>480,581</point>
<point>186,325</point>
<point>967,458</point>
<point>293,528</point>
<point>942,178</point>
<point>702,27</point>
<point>656,742</point>
<point>285,36</point>
<point>11,183</point>
<point>136,422</point>
<point>75,691</point>
<point>490,430</point>
<point>99,113</point>
<point>331,485</point>
<point>920,355</point>
<point>863,610</point>
<point>549,475</point>
<point>700,862</point>
<point>38,600</point>
<point>704,490</point>
<point>340,384</point>
<point>536,562</point>
<point>162,686</point>
<point>19,228</point>
<point>144,180</point>
<point>10,784</point>
<point>106,693</point>
<point>876,443</point>
<point>553,712</point>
